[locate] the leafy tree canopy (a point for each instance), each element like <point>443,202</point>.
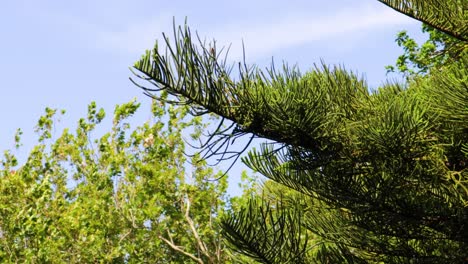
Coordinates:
<point>439,50</point>
<point>127,196</point>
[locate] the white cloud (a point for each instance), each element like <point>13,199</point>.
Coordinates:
<point>264,39</point>
<point>261,38</point>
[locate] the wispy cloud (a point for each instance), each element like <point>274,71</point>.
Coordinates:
<point>266,38</point>
<point>262,37</point>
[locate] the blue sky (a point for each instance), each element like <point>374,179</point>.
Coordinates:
<point>65,54</point>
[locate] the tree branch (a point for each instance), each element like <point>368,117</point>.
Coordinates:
<point>179,249</point>
<point>189,220</point>
<point>449,32</point>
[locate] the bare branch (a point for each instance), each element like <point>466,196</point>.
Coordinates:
<point>189,220</point>
<point>179,249</point>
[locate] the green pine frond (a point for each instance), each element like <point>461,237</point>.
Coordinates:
<point>269,233</point>
<point>284,106</point>
<point>448,16</point>
<point>447,92</point>
<point>390,165</point>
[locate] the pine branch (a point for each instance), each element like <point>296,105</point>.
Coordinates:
<point>448,16</point>
<point>283,106</point>
<point>268,233</point>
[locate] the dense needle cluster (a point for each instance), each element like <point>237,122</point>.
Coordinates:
<point>361,176</point>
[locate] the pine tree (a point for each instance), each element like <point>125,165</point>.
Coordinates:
<point>370,176</point>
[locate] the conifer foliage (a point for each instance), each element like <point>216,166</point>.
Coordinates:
<point>369,176</point>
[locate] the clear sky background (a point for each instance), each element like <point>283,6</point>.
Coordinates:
<point>65,54</point>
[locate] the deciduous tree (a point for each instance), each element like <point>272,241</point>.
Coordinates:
<point>127,196</point>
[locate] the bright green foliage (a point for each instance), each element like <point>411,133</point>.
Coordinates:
<point>373,176</point>
<point>439,50</point>
<point>127,196</point>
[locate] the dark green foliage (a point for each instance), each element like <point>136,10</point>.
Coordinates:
<point>370,176</point>
<point>448,16</point>
<point>269,235</point>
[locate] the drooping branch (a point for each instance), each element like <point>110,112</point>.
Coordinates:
<point>268,233</point>
<point>448,16</point>
<point>284,106</point>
